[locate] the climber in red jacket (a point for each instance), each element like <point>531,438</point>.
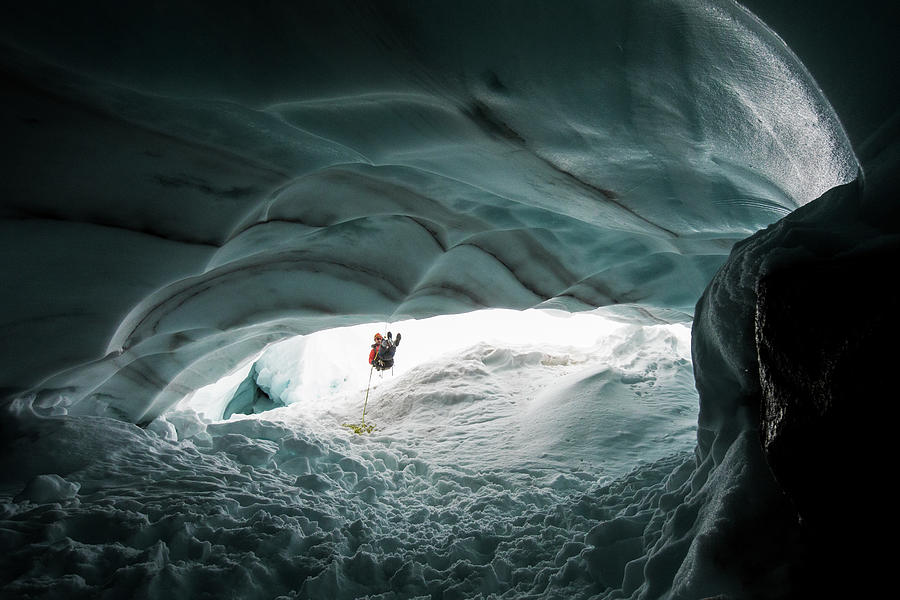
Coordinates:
<point>381,356</point>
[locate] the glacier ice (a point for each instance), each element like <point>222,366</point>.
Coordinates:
<point>279,186</point>
<point>190,186</point>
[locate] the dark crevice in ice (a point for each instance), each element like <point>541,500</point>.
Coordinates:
<point>506,266</point>
<point>250,398</point>
<point>47,214</point>
<point>485,118</point>
<point>184,180</point>
<point>482,115</point>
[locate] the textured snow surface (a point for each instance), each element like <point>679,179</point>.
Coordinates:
<point>542,391</point>
<point>495,470</point>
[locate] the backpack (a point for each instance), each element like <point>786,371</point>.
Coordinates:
<point>388,349</point>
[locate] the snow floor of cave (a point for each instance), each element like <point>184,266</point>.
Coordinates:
<point>492,469</point>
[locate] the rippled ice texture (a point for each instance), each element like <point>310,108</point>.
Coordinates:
<point>498,470</point>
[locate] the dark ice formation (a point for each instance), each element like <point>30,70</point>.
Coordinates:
<point>794,341</point>
<point>250,398</point>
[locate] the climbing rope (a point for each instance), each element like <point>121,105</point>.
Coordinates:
<point>362,427</point>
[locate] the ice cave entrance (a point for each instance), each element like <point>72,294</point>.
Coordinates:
<point>584,379</point>
<point>326,369</point>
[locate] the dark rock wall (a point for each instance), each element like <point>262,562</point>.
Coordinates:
<point>795,340</point>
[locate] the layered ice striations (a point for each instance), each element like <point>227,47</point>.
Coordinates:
<point>379,166</point>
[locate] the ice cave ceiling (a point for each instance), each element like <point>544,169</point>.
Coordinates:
<point>183,185</point>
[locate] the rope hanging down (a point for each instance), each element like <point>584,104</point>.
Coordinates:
<point>362,427</point>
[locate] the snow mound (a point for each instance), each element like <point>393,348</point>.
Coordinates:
<point>271,509</point>
<point>48,488</point>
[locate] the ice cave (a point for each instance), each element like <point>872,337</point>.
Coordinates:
<point>641,253</point>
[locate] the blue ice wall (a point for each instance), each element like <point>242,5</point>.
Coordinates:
<point>201,181</point>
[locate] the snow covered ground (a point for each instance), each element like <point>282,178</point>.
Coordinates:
<point>499,389</point>
<point>496,468</point>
